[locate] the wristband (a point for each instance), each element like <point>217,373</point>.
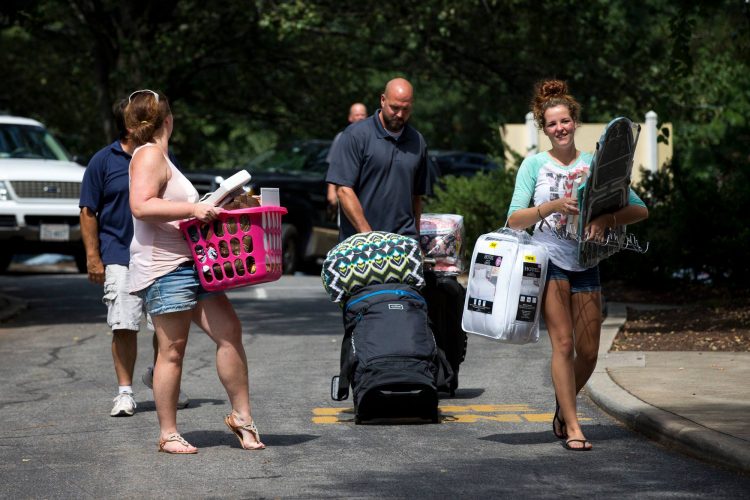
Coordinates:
<point>539,214</point>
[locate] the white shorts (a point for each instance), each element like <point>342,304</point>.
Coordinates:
<point>123,309</point>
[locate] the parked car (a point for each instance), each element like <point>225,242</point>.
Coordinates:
<point>461,163</point>
<point>39,191</point>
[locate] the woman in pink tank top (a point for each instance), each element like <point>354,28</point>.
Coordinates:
<point>162,273</point>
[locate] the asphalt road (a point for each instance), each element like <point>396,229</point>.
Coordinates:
<point>58,441</point>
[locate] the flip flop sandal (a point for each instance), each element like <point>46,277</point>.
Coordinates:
<point>176,438</point>
<point>583,446</point>
<point>236,429</point>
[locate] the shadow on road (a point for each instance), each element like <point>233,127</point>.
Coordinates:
<point>209,439</point>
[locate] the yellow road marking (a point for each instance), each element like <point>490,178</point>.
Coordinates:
<point>469,418</point>
<point>331,411</point>
<point>539,417</point>
<point>487,408</point>
<point>327,420</point>
<point>465,414</point>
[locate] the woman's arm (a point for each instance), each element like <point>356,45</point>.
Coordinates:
<point>525,217</point>
<point>521,215</point>
<point>629,214</point>
<point>149,174</point>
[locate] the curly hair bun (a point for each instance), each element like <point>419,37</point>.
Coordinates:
<point>550,93</point>
<point>553,88</point>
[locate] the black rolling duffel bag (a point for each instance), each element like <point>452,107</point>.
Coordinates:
<point>389,355</point>
<point>445,298</point>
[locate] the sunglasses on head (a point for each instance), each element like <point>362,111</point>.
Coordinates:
<point>156,96</point>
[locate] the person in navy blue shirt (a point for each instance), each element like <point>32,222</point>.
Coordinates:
<point>357,112</point>
<point>107,228</point>
<point>379,166</point>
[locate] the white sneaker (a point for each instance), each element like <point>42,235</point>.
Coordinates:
<point>124,405</point>
<point>148,381</point>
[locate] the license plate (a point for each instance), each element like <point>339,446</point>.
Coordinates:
<point>54,232</point>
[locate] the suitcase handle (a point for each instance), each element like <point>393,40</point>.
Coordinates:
<point>337,395</point>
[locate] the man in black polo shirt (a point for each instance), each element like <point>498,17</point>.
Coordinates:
<point>380,168</point>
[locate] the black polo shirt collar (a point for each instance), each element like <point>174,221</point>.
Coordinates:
<point>383,133</point>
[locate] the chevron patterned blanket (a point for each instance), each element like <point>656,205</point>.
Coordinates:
<point>368,259</point>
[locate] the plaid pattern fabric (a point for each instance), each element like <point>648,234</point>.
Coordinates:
<point>371,258</point>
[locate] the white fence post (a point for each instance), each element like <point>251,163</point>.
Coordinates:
<point>532,142</point>
<point>652,156</point>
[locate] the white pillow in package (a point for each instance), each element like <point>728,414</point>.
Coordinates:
<point>506,283</point>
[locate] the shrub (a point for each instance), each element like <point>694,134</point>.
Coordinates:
<point>482,200</point>
<point>697,227</point>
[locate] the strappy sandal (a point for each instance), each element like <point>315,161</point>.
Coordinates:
<point>176,438</point>
<point>562,434</point>
<point>236,429</point>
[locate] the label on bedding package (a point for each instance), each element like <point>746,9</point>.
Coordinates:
<point>480,306</point>
<point>531,270</point>
<point>531,288</point>
<point>526,308</point>
<point>483,282</point>
<point>529,258</point>
<point>486,259</point>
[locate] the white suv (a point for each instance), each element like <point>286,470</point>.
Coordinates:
<point>39,191</point>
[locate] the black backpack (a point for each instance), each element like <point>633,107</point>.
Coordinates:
<point>389,355</point>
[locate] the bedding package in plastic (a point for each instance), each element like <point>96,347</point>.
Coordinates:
<point>506,283</point>
<point>441,237</point>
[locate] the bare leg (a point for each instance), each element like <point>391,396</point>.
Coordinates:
<point>217,318</point>
<point>587,317</point>
<point>558,318</point>
<point>172,334</point>
<point>124,352</point>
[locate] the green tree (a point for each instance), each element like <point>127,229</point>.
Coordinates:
<point>242,75</point>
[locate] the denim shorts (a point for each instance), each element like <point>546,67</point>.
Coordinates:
<point>123,309</point>
<point>580,281</point>
<point>179,290</point>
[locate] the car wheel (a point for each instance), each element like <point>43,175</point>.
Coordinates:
<point>5,259</point>
<point>289,240</point>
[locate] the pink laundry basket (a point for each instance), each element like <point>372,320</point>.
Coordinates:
<point>239,248</point>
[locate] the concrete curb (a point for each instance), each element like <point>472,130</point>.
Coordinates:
<point>665,427</point>
<point>10,306</point>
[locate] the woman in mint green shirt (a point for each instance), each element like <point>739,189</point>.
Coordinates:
<point>572,298</point>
